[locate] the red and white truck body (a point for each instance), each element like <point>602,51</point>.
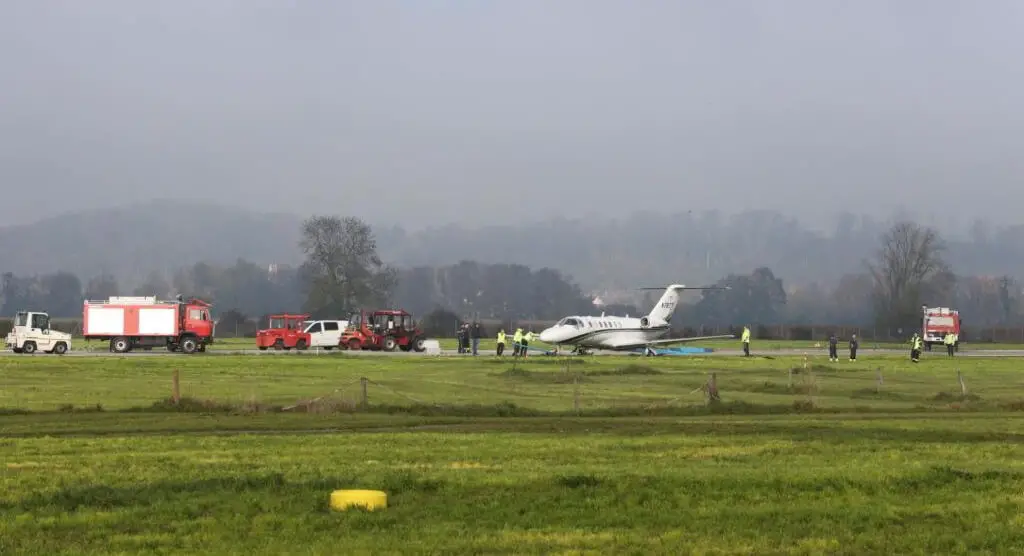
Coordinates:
<point>146,322</point>
<point>937,322</point>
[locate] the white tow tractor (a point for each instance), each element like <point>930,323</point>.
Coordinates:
<point>32,333</point>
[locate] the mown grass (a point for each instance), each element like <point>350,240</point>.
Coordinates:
<point>544,384</point>
<point>96,460</point>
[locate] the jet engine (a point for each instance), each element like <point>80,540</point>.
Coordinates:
<point>644,322</point>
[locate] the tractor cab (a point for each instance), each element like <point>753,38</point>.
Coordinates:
<point>387,330</point>
<point>284,331</point>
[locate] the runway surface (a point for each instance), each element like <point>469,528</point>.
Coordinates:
<point>717,353</point>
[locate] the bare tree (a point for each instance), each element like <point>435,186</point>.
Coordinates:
<point>342,269</point>
<point>909,270</point>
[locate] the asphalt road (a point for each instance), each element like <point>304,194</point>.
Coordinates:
<point>717,353</point>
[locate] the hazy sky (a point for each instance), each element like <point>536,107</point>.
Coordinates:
<point>497,111</point>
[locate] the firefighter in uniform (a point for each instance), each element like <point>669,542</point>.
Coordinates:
<point>501,342</point>
<point>948,340</point>
<point>746,341</point>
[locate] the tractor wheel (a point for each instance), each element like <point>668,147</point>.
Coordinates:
<point>418,344</point>
<point>29,348</point>
<point>354,344</point>
<point>301,344</point>
<point>61,348</point>
<point>390,344</point>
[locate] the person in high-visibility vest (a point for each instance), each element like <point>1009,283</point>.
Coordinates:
<point>517,342</point>
<point>948,340</point>
<point>501,342</point>
<point>526,342</point>
<point>915,347</point>
<point>746,341</point>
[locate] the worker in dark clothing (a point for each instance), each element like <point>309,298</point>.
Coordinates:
<point>833,347</point>
<point>853,347</point>
<point>475,333</point>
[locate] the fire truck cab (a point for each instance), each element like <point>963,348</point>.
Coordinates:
<point>936,323</point>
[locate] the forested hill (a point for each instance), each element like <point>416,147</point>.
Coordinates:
<point>643,249</point>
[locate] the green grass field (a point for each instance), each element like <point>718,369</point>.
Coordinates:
<point>480,455</point>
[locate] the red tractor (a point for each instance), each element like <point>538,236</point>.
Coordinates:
<point>386,330</point>
<point>284,332</point>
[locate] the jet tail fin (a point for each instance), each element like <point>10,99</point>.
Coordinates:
<point>666,306</point>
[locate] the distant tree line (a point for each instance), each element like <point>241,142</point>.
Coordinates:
<point>342,271</point>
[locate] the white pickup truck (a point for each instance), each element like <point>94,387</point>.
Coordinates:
<point>32,333</point>
<point>324,333</point>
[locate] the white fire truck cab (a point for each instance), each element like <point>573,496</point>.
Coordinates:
<point>936,323</point>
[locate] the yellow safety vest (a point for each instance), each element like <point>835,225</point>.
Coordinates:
<point>501,337</point>
<point>529,337</point>
<point>518,336</point>
<point>746,334</point>
<point>948,340</point>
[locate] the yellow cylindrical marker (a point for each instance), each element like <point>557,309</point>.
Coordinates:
<point>369,499</point>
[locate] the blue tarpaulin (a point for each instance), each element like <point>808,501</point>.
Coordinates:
<point>675,351</point>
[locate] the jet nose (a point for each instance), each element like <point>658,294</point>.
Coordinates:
<point>546,335</point>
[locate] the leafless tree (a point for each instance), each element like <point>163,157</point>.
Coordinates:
<point>342,268</point>
<point>909,270</point>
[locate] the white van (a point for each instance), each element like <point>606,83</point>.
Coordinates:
<point>325,333</point>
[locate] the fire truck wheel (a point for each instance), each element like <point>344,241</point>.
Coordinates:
<point>189,345</point>
<point>301,344</point>
<point>119,345</point>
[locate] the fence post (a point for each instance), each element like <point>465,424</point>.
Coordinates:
<point>576,394</point>
<point>175,388</point>
<point>878,383</point>
<point>713,389</point>
<point>364,402</point>
<point>963,386</point>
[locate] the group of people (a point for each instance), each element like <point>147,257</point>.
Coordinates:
<point>833,347</point>
<point>950,340</point>
<point>468,336</point>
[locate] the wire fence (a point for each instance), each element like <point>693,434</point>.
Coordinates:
<point>803,388</point>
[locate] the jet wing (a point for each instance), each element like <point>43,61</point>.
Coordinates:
<point>671,341</point>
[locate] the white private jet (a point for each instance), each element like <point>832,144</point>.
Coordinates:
<point>624,333</point>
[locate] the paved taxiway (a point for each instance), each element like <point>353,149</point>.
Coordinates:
<point>863,353</point>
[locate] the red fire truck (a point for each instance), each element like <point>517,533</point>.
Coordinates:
<point>936,323</point>
<point>146,322</point>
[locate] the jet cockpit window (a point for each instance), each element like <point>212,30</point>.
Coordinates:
<point>575,323</point>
